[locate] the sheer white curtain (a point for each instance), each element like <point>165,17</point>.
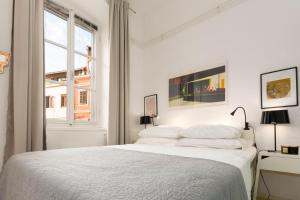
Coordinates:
<point>118,132</point>
<point>26,121</point>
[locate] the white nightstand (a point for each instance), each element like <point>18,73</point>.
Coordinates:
<point>277,162</point>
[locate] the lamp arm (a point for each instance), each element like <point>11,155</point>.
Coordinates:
<point>245,114</point>
<point>246,123</point>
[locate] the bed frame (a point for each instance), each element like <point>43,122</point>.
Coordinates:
<point>250,135</point>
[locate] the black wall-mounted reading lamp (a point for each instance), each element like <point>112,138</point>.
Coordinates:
<point>144,120</point>
<point>246,123</point>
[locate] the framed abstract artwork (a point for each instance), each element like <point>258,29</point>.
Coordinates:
<point>206,87</point>
<point>279,88</point>
<point>150,106</point>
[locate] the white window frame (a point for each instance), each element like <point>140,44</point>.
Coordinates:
<point>70,48</point>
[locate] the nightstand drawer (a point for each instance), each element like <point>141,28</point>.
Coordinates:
<point>281,164</point>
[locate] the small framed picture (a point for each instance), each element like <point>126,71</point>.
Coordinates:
<point>150,105</point>
<point>279,88</point>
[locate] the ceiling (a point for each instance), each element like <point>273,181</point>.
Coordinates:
<point>98,9</point>
<point>156,17</point>
<point>145,7</point>
<point>152,17</point>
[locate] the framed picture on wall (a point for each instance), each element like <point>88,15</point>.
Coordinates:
<point>150,106</point>
<point>203,87</point>
<point>279,88</point>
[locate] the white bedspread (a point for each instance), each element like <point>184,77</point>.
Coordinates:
<point>241,159</point>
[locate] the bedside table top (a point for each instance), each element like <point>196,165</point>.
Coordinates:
<point>278,154</point>
<point>276,161</point>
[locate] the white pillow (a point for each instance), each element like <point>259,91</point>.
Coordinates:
<point>212,132</point>
<point>161,132</point>
<point>210,143</point>
<point>157,141</point>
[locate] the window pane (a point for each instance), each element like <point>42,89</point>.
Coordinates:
<point>83,40</point>
<point>55,28</point>
<point>55,81</point>
<point>83,91</point>
<point>81,62</point>
<point>55,58</point>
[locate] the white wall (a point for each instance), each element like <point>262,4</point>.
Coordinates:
<point>5,42</point>
<point>75,137</point>
<point>137,80</point>
<point>136,72</point>
<point>251,37</point>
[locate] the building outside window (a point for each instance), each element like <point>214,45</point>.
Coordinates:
<point>63,100</point>
<point>49,102</point>
<point>83,97</point>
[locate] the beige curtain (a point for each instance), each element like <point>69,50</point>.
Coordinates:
<point>119,73</point>
<point>26,124</point>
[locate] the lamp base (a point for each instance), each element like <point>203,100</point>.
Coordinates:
<point>246,126</point>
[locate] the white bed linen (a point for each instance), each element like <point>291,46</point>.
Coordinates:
<point>241,159</point>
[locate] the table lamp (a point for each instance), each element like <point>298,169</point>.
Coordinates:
<point>275,117</point>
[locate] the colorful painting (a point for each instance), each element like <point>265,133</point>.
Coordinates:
<point>279,88</point>
<point>150,106</point>
<point>199,88</point>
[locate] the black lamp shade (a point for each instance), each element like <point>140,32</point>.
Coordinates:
<point>275,117</point>
<point>145,120</point>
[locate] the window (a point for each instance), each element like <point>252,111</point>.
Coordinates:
<point>83,97</point>
<point>49,102</point>
<point>69,65</point>
<point>63,100</point>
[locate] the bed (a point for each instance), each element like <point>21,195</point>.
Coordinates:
<point>131,172</point>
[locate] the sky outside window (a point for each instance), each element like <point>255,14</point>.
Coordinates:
<point>56,31</point>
